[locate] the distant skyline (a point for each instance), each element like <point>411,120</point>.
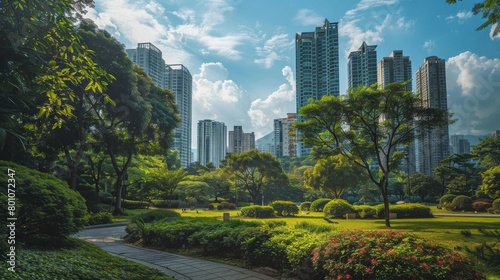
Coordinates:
<point>242,56</point>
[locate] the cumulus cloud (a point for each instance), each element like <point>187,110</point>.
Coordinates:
<point>404,24</point>
<point>356,35</point>
<point>473,86</point>
<point>276,105</point>
<point>308,17</point>
<point>273,50</point>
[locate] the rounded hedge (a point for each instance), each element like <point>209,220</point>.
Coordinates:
<point>256,211</point>
<point>284,208</point>
<point>319,204</point>
<point>410,210</point>
<point>495,205</point>
<point>305,206</point>
<point>462,203</point>
<point>388,255</point>
<point>338,208</point>
<point>45,206</point>
<point>446,199</point>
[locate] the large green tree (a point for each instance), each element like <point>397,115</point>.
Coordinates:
<point>253,169</point>
<point>488,151</point>
<point>491,182</point>
<point>424,185</point>
<point>367,125</point>
<point>333,174</point>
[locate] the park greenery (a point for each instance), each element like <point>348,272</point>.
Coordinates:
<point>88,135</point>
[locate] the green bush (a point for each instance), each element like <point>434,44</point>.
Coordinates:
<point>106,198</point>
<point>220,207</point>
<point>165,203</point>
<point>155,215</point>
<point>338,208</point>
<point>319,204</point>
<point>462,203</point>
<point>388,255</point>
<point>135,204</point>
<point>495,206</point>
<point>211,206</point>
<point>100,218</point>
<point>446,199</point>
<point>365,211</point>
<point>315,228</point>
<point>225,205</point>
<point>411,210</point>
<point>256,211</point>
<point>481,206</point>
<point>284,208</point>
<point>305,206</point>
<point>46,208</point>
<point>232,206</point>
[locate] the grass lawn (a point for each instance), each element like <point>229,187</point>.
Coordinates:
<point>443,230</point>
<point>81,260</point>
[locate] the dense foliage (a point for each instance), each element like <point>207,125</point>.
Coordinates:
<point>46,208</point>
<point>284,208</point>
<point>256,211</point>
<point>337,208</point>
<point>388,255</point>
<point>319,204</point>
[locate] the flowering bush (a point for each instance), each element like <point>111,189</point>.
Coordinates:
<point>388,255</point>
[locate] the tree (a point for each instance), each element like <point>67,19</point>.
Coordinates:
<point>367,125</point>
<point>217,180</point>
<point>253,169</point>
<point>488,151</point>
<point>491,182</point>
<point>333,175</point>
<point>491,12</point>
<point>424,185</point>
<point>163,182</point>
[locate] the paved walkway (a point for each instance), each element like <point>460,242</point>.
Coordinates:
<point>179,267</point>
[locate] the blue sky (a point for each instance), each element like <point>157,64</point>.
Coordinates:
<point>241,53</point>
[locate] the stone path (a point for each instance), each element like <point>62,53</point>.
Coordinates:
<point>180,267</point>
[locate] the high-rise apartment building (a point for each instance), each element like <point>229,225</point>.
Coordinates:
<point>240,141</point>
<point>179,80</point>
<point>434,145</point>
<point>362,66</point>
<point>394,68</point>
<point>317,67</point>
<point>459,145</point>
<point>149,57</point>
<point>212,140</point>
<point>397,68</point>
<point>283,137</point>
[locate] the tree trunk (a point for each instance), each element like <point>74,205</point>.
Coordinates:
<point>383,187</point>
<point>118,192</point>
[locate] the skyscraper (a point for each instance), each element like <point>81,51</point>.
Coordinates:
<point>394,68</point>
<point>179,80</point>
<point>283,138</point>
<point>149,57</point>
<point>459,145</point>
<point>362,66</point>
<point>240,141</point>
<point>317,67</point>
<point>212,141</point>
<point>397,68</point>
<point>434,145</point>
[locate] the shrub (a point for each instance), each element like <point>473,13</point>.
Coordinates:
<point>284,208</point>
<point>319,204</point>
<point>232,206</point>
<point>225,205</point>
<point>315,228</point>
<point>446,199</point>
<point>365,211</point>
<point>106,198</point>
<point>155,215</point>
<point>305,206</point>
<point>211,206</point>
<point>46,208</point>
<point>338,208</point>
<point>495,206</point>
<point>462,203</point>
<point>481,206</point>
<point>165,203</point>
<point>100,218</point>
<point>388,255</point>
<point>258,211</point>
<point>135,204</point>
<point>220,207</point>
<point>412,210</point>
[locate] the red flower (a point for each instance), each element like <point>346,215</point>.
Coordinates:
<point>374,261</point>
<point>368,270</point>
<point>425,265</point>
<point>348,276</point>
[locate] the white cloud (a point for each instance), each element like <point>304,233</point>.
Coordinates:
<point>273,50</point>
<point>308,17</point>
<point>370,4</point>
<point>473,86</point>
<point>356,35</point>
<point>276,105</point>
<point>429,45</point>
<point>212,86</point>
<point>461,16</point>
<point>405,25</point>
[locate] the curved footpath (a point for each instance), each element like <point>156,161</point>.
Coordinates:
<point>109,238</point>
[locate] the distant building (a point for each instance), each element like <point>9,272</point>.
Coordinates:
<point>179,80</point>
<point>317,68</point>
<point>394,68</point>
<point>149,57</point>
<point>265,144</point>
<point>212,138</point>
<point>240,141</point>
<point>459,145</point>
<point>362,66</point>
<point>495,133</point>
<point>434,145</point>
<point>284,137</point>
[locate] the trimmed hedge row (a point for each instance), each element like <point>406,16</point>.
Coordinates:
<point>284,208</point>
<point>256,211</point>
<point>412,210</point>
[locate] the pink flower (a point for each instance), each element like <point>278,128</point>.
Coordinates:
<point>425,265</point>
<point>348,276</point>
<point>374,261</point>
<point>368,270</point>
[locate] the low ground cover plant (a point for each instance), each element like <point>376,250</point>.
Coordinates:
<point>359,254</point>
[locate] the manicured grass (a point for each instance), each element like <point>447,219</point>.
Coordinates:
<point>80,261</point>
